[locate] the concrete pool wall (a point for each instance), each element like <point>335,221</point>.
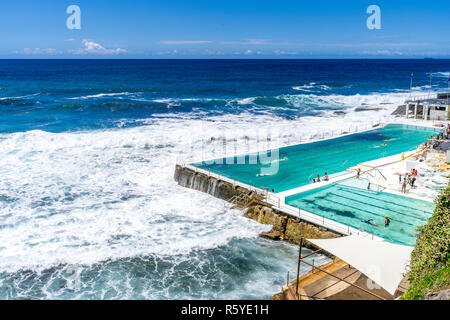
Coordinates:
<point>289,167</point>
<point>273,209</point>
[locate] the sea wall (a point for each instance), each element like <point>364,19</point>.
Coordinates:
<point>288,228</point>
<point>284,226</point>
<point>401,111</point>
<point>198,181</point>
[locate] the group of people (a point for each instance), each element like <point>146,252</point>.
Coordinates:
<point>325,178</point>
<point>409,178</point>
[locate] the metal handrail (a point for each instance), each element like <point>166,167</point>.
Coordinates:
<point>314,174</point>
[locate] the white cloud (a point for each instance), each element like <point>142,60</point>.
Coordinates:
<point>375,44</point>
<point>36,51</point>
<point>91,47</point>
<point>248,42</point>
<point>383,53</point>
<point>281,52</point>
<point>185,41</point>
<point>166,53</point>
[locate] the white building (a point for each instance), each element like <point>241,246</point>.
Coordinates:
<point>430,107</point>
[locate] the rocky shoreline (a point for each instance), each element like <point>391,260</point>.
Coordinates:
<point>284,227</point>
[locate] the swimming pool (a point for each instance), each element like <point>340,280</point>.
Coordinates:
<point>296,164</point>
<point>349,202</point>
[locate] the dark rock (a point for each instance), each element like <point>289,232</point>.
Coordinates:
<point>273,235</point>
<point>399,111</point>
<point>283,227</point>
<point>361,109</point>
<point>441,295</point>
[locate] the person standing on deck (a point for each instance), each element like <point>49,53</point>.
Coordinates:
<point>404,185</point>
<point>358,173</point>
<point>413,179</point>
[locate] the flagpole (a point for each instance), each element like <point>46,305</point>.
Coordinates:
<point>410,85</point>
<point>431,77</point>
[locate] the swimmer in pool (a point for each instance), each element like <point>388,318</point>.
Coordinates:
<point>370,221</point>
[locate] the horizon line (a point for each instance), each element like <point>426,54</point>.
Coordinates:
<point>223,58</point>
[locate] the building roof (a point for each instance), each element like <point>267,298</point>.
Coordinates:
<point>383,262</point>
<point>432,99</point>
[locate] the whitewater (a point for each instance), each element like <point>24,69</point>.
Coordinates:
<point>90,199</point>
<point>86,198</point>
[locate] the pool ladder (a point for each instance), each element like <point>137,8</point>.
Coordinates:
<point>316,173</point>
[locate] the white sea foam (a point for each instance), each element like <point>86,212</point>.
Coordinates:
<point>310,86</point>
<point>171,100</point>
<point>85,197</point>
<point>20,97</point>
<point>81,198</point>
<point>246,100</point>
<point>442,74</point>
<point>100,95</point>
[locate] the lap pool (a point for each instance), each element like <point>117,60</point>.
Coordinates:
<point>295,164</point>
<point>349,202</point>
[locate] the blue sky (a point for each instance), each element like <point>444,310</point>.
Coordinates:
<point>224,29</point>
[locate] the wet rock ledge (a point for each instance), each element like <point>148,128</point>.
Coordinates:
<point>284,227</point>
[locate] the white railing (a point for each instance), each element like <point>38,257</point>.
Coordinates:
<point>318,220</point>
<point>278,203</point>
<point>295,141</point>
<point>422,97</point>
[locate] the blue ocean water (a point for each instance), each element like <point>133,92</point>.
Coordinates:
<point>69,95</point>
<point>87,153</point>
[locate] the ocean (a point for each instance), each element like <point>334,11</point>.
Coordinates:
<point>89,208</point>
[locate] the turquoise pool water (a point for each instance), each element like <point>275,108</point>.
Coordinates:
<point>349,202</point>
<point>295,164</point>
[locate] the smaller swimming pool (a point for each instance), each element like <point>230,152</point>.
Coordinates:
<point>349,202</point>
